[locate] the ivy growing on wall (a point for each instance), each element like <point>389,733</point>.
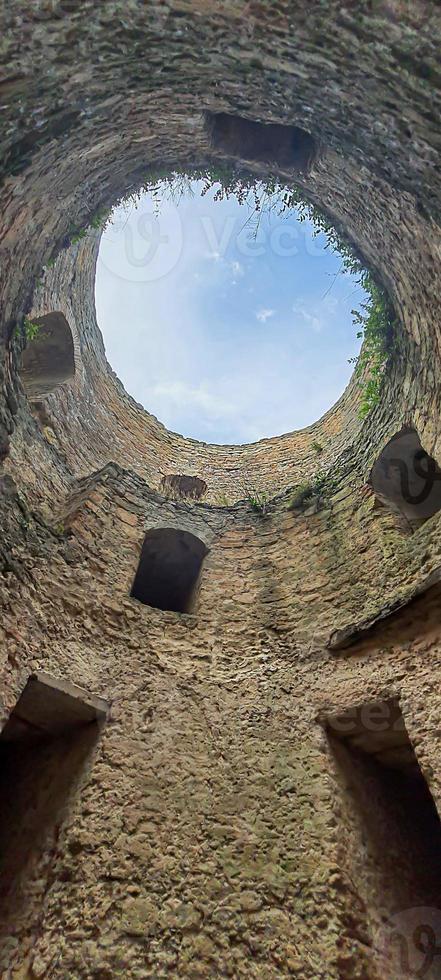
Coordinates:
<point>315,490</point>
<point>76,234</point>
<point>31,328</point>
<point>374,319</point>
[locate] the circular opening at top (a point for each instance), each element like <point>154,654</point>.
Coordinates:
<point>228,316</point>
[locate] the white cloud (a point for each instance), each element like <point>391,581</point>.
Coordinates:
<point>188,396</point>
<point>319,315</point>
<point>237,269</point>
<point>310,319</point>
<point>263,315</point>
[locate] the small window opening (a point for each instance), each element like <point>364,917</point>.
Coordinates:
<point>286,146</point>
<point>184,487</point>
<point>407,480</point>
<point>44,747</point>
<point>396,856</point>
<point>169,569</point>
<point>48,360</point>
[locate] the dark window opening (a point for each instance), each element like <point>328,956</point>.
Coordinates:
<point>407,480</point>
<point>181,486</point>
<point>169,569</point>
<point>395,859</point>
<point>44,748</point>
<point>286,146</point>
<point>48,360</point>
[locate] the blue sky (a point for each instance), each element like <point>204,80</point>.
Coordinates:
<point>226,330</point>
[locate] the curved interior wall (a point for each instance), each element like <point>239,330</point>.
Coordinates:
<point>204,835</point>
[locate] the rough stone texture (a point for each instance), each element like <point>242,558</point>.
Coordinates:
<point>212,831</point>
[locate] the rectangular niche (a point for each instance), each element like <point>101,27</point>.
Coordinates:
<point>44,748</point>
<point>169,570</point>
<point>268,143</point>
<point>391,838</point>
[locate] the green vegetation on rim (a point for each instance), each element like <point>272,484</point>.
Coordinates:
<point>374,319</point>
<point>31,329</point>
<point>323,484</point>
<point>259,501</point>
<point>75,235</point>
<point>317,447</point>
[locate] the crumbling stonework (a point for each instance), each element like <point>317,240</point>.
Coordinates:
<point>213,830</point>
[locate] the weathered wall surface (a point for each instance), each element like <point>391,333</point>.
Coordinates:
<point>207,837</point>
<point>213,833</point>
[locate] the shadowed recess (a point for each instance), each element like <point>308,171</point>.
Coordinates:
<point>45,748</point>
<point>287,146</point>
<point>48,360</point>
<point>406,479</point>
<point>169,569</point>
<point>184,486</point>
<point>393,816</point>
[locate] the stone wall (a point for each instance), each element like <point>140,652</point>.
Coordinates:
<point>214,832</point>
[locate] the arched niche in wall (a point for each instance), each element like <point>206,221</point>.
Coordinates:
<point>169,569</point>
<point>406,479</point>
<point>48,360</point>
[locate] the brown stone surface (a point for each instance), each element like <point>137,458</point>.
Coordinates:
<point>48,706</point>
<point>212,829</point>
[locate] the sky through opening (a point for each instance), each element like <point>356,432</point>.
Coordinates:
<point>226,329</point>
